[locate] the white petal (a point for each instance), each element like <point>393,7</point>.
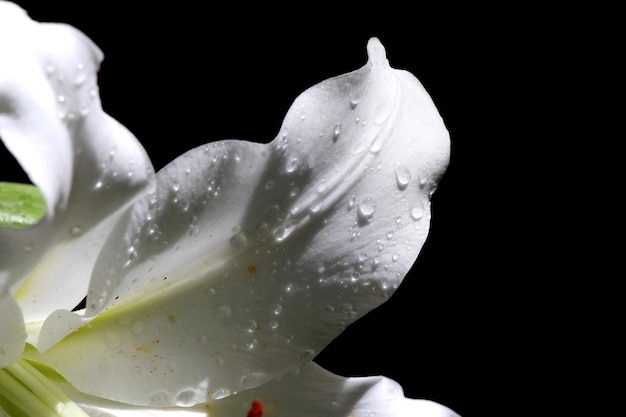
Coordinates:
<point>87,165</point>
<point>99,407</point>
<point>251,258</point>
<point>102,408</point>
<point>12,335</point>
<point>309,391</point>
<point>314,392</point>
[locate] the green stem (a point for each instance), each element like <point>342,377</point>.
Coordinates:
<point>25,392</point>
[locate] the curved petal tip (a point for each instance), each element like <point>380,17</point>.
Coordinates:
<point>376,52</point>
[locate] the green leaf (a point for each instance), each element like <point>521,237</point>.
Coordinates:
<point>21,205</point>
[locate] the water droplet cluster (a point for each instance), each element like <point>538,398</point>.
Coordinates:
<point>268,288</point>
<point>76,89</point>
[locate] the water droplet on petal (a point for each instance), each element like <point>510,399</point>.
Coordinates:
<point>252,326</point>
<point>80,79</point>
<point>432,190</point>
<point>377,145</point>
<point>283,232</point>
<point>292,163</point>
<point>417,212</point>
<point>337,131</point>
<point>75,231</point>
<point>422,181</point>
<point>366,210</point>
<point>321,188</point>
<point>348,310</point>
<point>239,241</point>
<point>188,397</point>
<point>316,207</point>
<point>278,309</point>
<point>221,393</point>
<point>132,253</point>
<point>153,229</point>
<point>254,379</point>
<point>351,203</point>
<point>294,210</point>
<point>403,176</point>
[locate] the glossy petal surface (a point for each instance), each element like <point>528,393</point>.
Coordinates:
<point>250,258</point>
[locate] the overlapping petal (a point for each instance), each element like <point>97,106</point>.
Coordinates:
<point>88,167</point>
<point>307,391</point>
<point>250,258</point>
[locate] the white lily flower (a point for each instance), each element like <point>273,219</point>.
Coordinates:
<point>88,167</point>
<point>212,293</point>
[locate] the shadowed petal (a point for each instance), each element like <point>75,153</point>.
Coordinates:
<point>100,407</point>
<point>311,391</point>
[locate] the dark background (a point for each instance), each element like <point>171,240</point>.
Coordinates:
<point>461,329</point>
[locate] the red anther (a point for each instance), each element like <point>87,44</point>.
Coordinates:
<point>256,409</point>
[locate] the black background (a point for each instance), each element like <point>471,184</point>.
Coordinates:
<point>460,330</point>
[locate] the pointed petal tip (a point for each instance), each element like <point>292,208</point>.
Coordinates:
<point>376,52</point>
